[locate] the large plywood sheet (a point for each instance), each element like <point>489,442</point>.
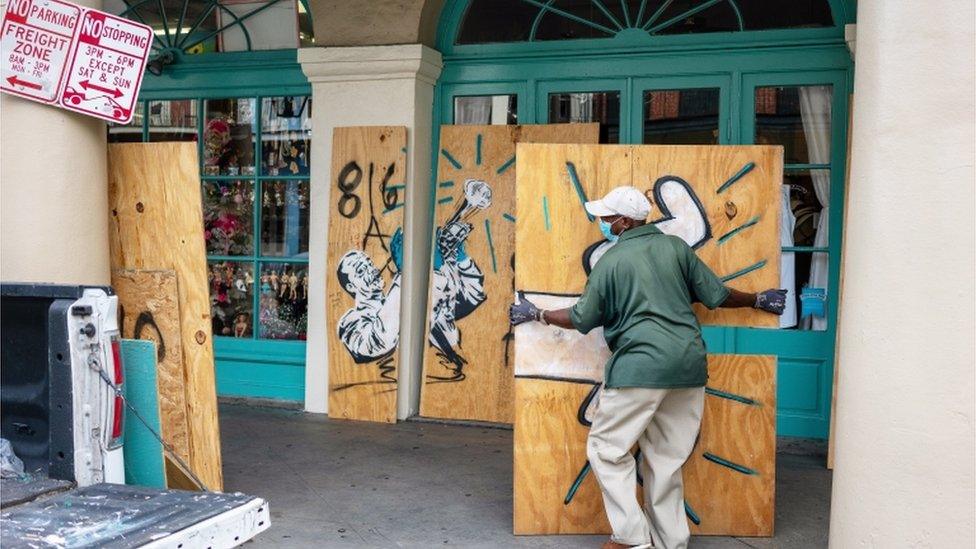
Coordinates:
<point>149,310</point>
<point>366,198</point>
<point>729,478</point>
<point>468,359</point>
<point>156,223</point>
<point>723,200</point>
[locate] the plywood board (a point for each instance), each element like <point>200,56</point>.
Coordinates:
<point>468,359</point>
<point>156,223</point>
<point>366,198</point>
<point>149,309</point>
<point>723,200</point>
<point>730,492</point>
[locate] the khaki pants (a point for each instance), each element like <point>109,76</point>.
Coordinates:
<point>665,423</point>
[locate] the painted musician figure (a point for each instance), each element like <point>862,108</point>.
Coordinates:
<point>371,329</point>
<point>458,285</point>
<point>641,292</point>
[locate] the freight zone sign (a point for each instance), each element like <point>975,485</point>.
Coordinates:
<point>77,58</point>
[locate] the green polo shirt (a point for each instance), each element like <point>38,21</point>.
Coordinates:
<point>641,292</point>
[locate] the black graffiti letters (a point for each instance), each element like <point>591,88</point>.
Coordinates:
<point>350,177</point>
<point>391,196</point>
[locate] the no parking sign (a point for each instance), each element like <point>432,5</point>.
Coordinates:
<point>77,58</point>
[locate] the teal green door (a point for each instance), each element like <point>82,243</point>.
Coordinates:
<point>786,87</point>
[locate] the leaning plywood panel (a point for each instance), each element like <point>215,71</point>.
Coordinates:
<point>723,202</point>
<point>467,363</point>
<point>729,478</point>
<point>149,309</point>
<point>363,270</point>
<point>156,223</point>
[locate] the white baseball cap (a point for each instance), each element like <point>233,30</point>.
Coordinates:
<point>626,201</point>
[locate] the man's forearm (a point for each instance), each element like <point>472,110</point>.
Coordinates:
<point>738,299</point>
<point>558,317</point>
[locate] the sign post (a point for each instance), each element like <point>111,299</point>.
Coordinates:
<point>77,58</point>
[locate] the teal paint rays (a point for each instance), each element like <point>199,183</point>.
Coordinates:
<point>726,463</point>
<point>736,177</point>
<point>580,193</point>
<point>508,164</point>
<point>576,484</point>
<point>745,271</point>
<point>477,149</point>
<point>545,212</point>
<point>491,247</point>
<point>722,239</point>
<point>457,165</point>
<point>731,396</point>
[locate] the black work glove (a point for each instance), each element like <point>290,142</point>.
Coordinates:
<point>771,301</point>
<point>523,310</point>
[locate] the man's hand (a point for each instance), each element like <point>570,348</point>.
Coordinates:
<point>523,310</point>
<point>771,301</point>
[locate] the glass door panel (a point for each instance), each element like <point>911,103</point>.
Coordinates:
<point>687,110</point>
<point>602,101</point>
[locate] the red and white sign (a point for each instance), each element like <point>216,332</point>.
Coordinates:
<point>37,36</point>
<point>78,58</point>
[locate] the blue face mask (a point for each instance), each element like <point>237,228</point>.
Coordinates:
<point>607,230</point>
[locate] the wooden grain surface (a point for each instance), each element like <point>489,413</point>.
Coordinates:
<point>365,209</point>
<point>751,202</point>
<point>156,223</point>
<point>730,502</point>
<point>550,451</point>
<point>150,310</point>
<point>481,389</point>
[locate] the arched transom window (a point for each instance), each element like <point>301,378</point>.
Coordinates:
<point>493,21</point>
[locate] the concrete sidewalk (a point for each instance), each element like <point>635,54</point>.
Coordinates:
<point>334,483</point>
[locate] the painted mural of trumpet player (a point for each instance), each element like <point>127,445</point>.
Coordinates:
<point>641,292</point>
<point>458,285</point>
<point>371,329</point>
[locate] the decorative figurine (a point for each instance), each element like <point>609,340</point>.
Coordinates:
<point>240,325</point>
<point>293,285</point>
<point>274,281</point>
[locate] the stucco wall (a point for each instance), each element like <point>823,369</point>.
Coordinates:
<point>53,197</point>
<point>904,462</point>
<point>375,23</point>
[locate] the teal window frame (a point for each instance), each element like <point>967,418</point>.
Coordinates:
<point>246,367</point>
<point>736,63</point>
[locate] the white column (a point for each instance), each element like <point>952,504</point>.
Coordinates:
<point>372,86</point>
<point>53,193</point>
<point>904,466</point>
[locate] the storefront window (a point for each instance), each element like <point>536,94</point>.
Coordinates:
<point>602,107</point>
<point>283,301</point>
<point>173,120</point>
<point>128,133</point>
<point>486,109</point>
<point>284,218</point>
<point>232,304</point>
<point>681,117</point>
<point>799,119</point>
<point>228,217</point>
<point>228,137</point>
<point>255,222</point>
